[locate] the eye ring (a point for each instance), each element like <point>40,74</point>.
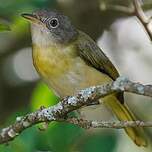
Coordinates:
<point>54,22</point>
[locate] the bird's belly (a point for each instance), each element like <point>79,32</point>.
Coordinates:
<point>66,75</point>
<point>78,77</point>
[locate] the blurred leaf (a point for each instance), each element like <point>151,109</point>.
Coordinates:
<point>15,7</point>
<point>42,96</point>
<point>97,142</point>
<point>23,143</point>
<point>4,27</point>
<point>19,26</point>
<point>59,137</point>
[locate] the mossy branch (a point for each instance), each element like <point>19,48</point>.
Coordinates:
<point>85,97</point>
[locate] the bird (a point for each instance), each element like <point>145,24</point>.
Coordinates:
<point>69,60</point>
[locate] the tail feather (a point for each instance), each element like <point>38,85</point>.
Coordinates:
<point>123,113</point>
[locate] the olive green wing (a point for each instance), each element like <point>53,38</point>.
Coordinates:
<point>94,56</point>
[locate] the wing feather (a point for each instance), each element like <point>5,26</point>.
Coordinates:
<point>94,56</point>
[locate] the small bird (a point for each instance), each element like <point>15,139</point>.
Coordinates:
<point>68,60</point>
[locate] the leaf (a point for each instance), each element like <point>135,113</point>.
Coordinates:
<point>97,142</point>
<point>4,27</point>
<point>42,96</point>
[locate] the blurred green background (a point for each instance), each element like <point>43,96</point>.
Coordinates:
<point>21,91</point>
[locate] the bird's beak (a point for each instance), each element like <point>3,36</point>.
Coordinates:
<point>32,18</point>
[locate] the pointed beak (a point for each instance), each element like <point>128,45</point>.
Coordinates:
<point>32,18</point>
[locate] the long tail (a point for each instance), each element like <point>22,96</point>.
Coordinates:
<point>122,112</point>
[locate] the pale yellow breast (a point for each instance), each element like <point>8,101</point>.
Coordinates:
<point>64,71</point>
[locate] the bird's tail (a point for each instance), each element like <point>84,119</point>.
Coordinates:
<point>124,114</point>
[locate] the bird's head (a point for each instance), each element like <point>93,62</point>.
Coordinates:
<point>51,25</point>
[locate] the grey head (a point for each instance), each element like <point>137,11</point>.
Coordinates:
<point>52,25</point>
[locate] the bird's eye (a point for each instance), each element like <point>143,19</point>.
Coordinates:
<point>54,22</point>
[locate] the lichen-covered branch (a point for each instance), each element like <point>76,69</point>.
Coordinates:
<point>108,124</point>
<point>85,97</point>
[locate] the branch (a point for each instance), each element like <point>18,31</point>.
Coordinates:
<point>120,8</point>
<point>105,124</point>
<point>85,97</point>
<point>139,13</point>
<point>136,10</point>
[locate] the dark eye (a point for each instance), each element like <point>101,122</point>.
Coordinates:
<point>54,22</point>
